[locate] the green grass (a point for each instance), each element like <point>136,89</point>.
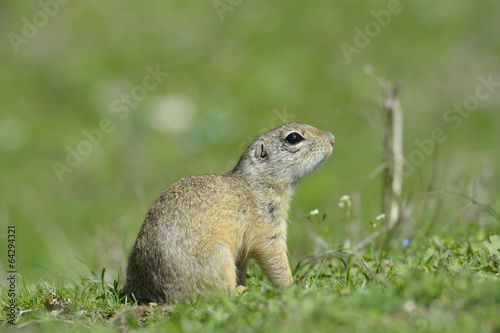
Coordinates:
<point>232,78</point>
<point>438,283</point>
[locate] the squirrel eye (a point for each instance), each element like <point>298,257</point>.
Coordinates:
<point>294,138</point>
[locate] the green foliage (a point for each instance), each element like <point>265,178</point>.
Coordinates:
<point>231,79</point>
<point>444,283</point>
<point>263,64</point>
<point>493,245</point>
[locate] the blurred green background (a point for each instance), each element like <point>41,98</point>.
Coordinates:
<point>235,69</point>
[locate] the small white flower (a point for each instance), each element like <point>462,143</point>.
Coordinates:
<point>314,212</point>
<point>381,217</point>
<point>410,306</point>
<point>345,198</point>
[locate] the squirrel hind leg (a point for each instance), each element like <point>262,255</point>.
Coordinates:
<point>219,271</point>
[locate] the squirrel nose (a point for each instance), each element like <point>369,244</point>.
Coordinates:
<point>332,139</point>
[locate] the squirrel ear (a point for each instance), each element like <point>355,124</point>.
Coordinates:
<point>261,152</point>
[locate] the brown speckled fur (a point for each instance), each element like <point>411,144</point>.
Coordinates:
<point>202,230</point>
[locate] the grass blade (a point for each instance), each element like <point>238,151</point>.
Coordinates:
<point>490,210</point>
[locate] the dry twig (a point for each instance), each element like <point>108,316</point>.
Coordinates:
<point>393,159</point>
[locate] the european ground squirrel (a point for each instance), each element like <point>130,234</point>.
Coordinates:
<point>202,230</point>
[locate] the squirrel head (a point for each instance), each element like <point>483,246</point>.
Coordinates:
<point>285,155</point>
